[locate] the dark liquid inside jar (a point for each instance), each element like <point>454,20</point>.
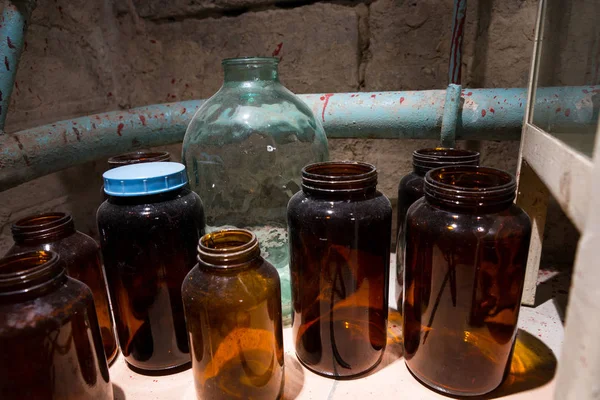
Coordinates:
<point>233,311</point>
<point>137,157</point>
<point>466,253</point>
<point>149,246</point>
<point>50,343</point>
<point>339,230</point>
<point>81,255</point>
<point>411,189</point>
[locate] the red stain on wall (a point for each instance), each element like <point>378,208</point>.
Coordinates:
<point>120,128</point>
<point>277,49</point>
<point>326,99</point>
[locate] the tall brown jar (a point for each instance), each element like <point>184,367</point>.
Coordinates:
<point>50,343</point>
<point>149,229</point>
<point>411,189</point>
<point>339,230</point>
<point>55,231</point>
<point>466,252</point>
<point>233,312</point>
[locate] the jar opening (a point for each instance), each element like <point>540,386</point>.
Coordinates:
<point>427,159</point>
<point>228,248</point>
<point>470,186</point>
<point>250,61</point>
<point>24,272</point>
<point>43,226</point>
<point>139,157</point>
<point>339,176</point>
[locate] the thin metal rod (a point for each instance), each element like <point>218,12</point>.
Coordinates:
<point>458,31</point>
<point>486,114</point>
<point>13,26</point>
<point>451,113</point>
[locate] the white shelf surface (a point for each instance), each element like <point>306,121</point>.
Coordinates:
<point>532,373</point>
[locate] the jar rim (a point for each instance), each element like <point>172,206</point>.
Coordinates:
<point>227,248</point>
<point>430,158</point>
<point>42,226</point>
<point>339,176</point>
<point>29,271</point>
<point>250,60</point>
<point>470,186</point>
<point>136,157</point>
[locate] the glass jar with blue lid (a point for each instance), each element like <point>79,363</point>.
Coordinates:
<point>149,229</point>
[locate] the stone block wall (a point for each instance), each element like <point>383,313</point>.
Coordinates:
<point>90,56</point>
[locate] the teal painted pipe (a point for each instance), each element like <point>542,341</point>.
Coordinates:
<point>485,114</point>
<point>15,17</point>
<point>451,111</point>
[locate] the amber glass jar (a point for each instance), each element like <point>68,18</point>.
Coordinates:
<point>233,311</point>
<point>339,230</point>
<point>466,251</point>
<point>55,231</point>
<point>50,343</point>
<point>411,189</point>
<point>149,229</point>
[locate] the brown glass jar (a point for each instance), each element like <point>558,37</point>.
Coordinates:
<point>50,343</point>
<point>466,252</point>
<point>233,311</point>
<point>149,229</point>
<point>55,231</point>
<point>411,189</point>
<point>340,231</point>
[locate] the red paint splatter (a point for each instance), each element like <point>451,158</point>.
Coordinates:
<point>25,43</point>
<point>183,111</point>
<point>60,10</point>
<point>556,96</point>
<point>492,111</point>
<point>173,96</point>
<point>326,99</point>
<point>187,86</point>
<point>29,89</point>
<point>143,119</point>
<point>97,117</point>
<point>277,49</point>
<point>469,94</point>
<point>495,96</point>
<point>0,95</point>
<point>567,112</point>
<point>120,117</point>
<point>585,91</point>
<point>109,94</point>
<point>483,113</point>
<point>93,125</point>
<point>77,134</point>
<point>352,95</point>
<point>6,63</point>
<point>120,128</point>
<point>152,41</point>
<point>373,96</point>
<point>520,104</point>
<point>172,81</point>
<point>401,100</point>
<point>8,41</point>
<point>558,109</point>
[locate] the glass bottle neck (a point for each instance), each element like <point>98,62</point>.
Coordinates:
<point>43,227</point>
<point>228,249</point>
<point>424,160</point>
<point>470,189</point>
<point>30,274</point>
<point>237,70</point>
<point>339,179</point>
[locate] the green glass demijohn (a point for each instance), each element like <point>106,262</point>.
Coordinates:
<point>244,151</point>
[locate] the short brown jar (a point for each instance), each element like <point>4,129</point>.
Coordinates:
<point>339,232</point>
<point>233,312</point>
<point>55,231</point>
<point>50,343</point>
<point>411,189</point>
<point>466,246</point>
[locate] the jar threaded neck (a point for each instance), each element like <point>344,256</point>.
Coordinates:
<point>228,248</point>
<point>470,187</point>
<point>53,225</point>
<point>138,157</point>
<point>24,273</point>
<point>250,69</point>
<point>339,177</point>
<point>425,160</point>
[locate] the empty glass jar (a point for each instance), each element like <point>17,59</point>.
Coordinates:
<point>466,252</point>
<point>149,229</point>
<point>244,150</point>
<point>50,343</point>
<point>233,312</point>
<point>411,189</point>
<point>55,231</point>
<point>340,231</point>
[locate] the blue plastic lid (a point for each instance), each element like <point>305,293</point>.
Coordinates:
<point>144,179</point>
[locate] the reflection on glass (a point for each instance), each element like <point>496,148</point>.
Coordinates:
<point>569,58</point>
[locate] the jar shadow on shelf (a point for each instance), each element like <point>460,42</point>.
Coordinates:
<point>533,365</point>
<point>118,393</point>
<point>294,377</point>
